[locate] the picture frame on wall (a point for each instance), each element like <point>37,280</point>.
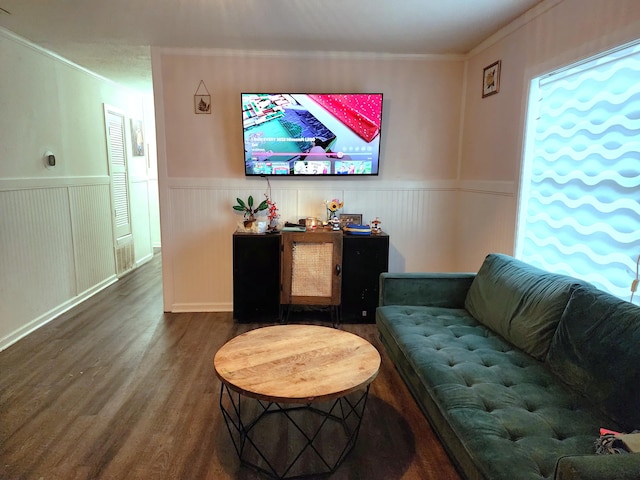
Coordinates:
<point>345,218</point>
<point>491,79</point>
<point>137,138</point>
<point>202,100</point>
<point>202,104</point>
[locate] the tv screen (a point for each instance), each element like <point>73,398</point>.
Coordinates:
<point>311,134</point>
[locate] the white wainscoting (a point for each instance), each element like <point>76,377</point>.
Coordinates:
<point>486,222</point>
<point>425,221</point>
<point>56,249</point>
<point>92,235</point>
<point>56,242</point>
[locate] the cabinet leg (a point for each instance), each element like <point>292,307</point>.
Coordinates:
<point>335,315</point>
<point>284,313</point>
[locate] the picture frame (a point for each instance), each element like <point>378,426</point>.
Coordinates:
<point>202,104</point>
<point>345,218</point>
<point>202,100</point>
<point>491,79</point>
<point>137,138</point>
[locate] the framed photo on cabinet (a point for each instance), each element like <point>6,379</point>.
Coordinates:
<point>345,218</point>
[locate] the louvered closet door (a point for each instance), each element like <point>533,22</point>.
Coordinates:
<point>114,121</point>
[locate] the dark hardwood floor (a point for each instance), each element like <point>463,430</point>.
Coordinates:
<point>117,389</point>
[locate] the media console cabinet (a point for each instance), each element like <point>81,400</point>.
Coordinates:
<point>257,275</point>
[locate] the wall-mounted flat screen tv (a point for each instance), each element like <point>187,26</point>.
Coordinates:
<point>296,134</point>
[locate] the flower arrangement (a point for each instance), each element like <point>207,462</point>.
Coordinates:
<point>272,213</point>
<point>332,207</point>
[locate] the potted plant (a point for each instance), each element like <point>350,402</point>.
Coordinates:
<point>248,211</point>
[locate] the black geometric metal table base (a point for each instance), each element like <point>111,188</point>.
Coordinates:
<point>290,441</point>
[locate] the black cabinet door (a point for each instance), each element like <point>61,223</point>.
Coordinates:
<point>256,277</point>
<point>364,258</point>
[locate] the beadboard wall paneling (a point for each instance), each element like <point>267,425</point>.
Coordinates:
<point>55,250</point>
<point>202,226</point>
<point>486,222</point>
<point>36,256</point>
<point>56,236</point>
<point>419,220</point>
<point>201,247</point>
<point>92,235</point>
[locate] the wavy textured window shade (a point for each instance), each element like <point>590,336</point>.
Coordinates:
<point>580,206</point>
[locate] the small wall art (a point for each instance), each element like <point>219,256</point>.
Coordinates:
<point>202,99</point>
<point>491,79</point>
<point>137,138</point>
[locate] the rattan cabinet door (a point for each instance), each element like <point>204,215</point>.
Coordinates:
<point>311,268</point>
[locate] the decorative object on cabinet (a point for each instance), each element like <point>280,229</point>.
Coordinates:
<point>248,211</point>
<point>332,208</point>
<point>375,226</point>
<point>202,99</point>
<point>272,214</point>
<point>311,223</point>
<point>335,223</point>
<point>491,79</point>
<point>345,218</point>
<point>356,229</point>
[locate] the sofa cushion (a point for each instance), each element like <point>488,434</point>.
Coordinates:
<point>520,302</point>
<point>501,411</point>
<point>596,350</point>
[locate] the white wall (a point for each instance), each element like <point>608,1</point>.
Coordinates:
<point>201,159</point>
<point>555,34</point>
<point>56,237</point>
<point>447,192</point>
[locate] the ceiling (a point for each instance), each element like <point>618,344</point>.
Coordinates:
<point>113,37</point>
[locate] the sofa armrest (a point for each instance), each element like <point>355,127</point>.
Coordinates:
<point>447,290</point>
<point>598,467</point>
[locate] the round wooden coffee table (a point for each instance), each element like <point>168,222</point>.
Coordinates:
<point>287,369</point>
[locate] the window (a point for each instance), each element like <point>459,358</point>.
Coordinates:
<point>580,193</point>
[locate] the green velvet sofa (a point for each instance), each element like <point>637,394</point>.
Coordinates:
<point>517,369</point>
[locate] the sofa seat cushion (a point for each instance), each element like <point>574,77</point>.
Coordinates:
<point>511,415</point>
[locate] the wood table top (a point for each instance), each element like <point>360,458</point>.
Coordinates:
<point>296,363</point>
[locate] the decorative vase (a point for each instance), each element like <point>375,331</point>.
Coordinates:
<point>248,223</point>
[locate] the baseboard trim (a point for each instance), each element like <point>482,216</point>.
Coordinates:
<point>144,260</point>
<point>201,307</point>
<point>52,314</point>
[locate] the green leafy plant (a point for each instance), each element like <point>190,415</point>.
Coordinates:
<point>247,208</point>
